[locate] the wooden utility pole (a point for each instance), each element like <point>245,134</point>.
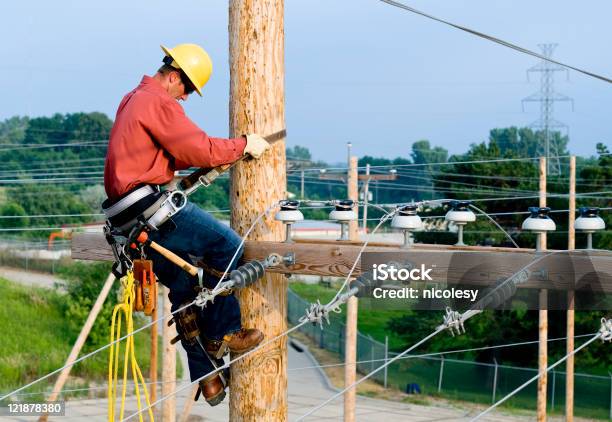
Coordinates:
<point>257,105</point>
<point>543,320</point>
<point>350,348</point>
<point>366,194</point>
<point>80,341</point>
<point>353,193</point>
<point>168,365</point>
<point>189,403</point>
<point>153,367</point>
<point>302,184</point>
<point>367,178</point>
<point>571,244</point>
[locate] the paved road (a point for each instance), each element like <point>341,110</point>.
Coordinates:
<point>30,278</point>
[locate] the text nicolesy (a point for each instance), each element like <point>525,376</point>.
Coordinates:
<point>385,272</point>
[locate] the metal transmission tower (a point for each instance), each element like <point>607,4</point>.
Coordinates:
<point>547,97</point>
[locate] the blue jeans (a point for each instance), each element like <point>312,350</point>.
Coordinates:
<point>199,234</point>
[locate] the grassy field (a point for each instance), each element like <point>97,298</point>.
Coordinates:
<point>37,339</point>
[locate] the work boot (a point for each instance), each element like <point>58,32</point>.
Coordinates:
<point>212,389</point>
<point>239,342</point>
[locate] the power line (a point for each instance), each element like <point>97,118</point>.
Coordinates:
<point>66,145</point>
<point>442,163</point>
<point>495,40</point>
<point>510,190</point>
<point>27,171</point>
<point>40,177</point>
<point>371,373</point>
<point>419,188</point>
<point>435,179</point>
<point>446,352</point>
<point>535,178</point>
<point>409,187</point>
<point>526,383</point>
<point>40,162</point>
<point>496,214</point>
<point>52,180</point>
<point>50,216</point>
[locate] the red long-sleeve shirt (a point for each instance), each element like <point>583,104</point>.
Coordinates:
<point>152,137</point>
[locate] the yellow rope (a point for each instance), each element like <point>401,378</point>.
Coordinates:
<point>129,356</point>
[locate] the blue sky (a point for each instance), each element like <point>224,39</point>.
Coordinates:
<point>356,70</point>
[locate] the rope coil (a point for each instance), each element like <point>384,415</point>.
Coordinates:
<point>125,309</point>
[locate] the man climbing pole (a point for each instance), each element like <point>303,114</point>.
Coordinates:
<point>150,139</point>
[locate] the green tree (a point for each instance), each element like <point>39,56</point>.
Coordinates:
<point>525,142</point>
<point>12,209</point>
<point>423,153</point>
<point>12,130</point>
<point>298,153</point>
<point>599,174</point>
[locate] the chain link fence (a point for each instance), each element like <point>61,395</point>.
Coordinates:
<point>457,379</point>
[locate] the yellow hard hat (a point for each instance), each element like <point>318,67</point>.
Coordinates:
<point>194,61</point>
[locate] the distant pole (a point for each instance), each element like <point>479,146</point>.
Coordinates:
<point>494,380</point>
<point>386,359</point>
<point>366,193</point>
<point>610,394</point>
<point>571,244</point>
<point>543,239</point>
<point>441,373</point>
<point>543,315</point>
<point>168,365</point>
<point>349,147</point>
<point>153,367</point>
<point>302,184</point>
<point>189,401</point>
<point>350,347</point>
<point>80,341</point>
<point>552,392</point>
<point>353,193</point>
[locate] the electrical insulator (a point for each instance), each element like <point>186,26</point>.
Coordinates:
<point>460,215</point>
<point>407,220</point>
<point>289,214</point>
<point>343,213</point>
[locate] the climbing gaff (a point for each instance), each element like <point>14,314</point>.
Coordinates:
<point>188,331</point>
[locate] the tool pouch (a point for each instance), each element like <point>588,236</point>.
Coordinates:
<point>186,325</point>
<point>146,287</point>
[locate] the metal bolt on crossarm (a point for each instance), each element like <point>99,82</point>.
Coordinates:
<point>408,221</point>
<point>460,215</point>
<point>539,222</point>
<point>343,213</point>
<point>289,214</point>
<point>589,222</point>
